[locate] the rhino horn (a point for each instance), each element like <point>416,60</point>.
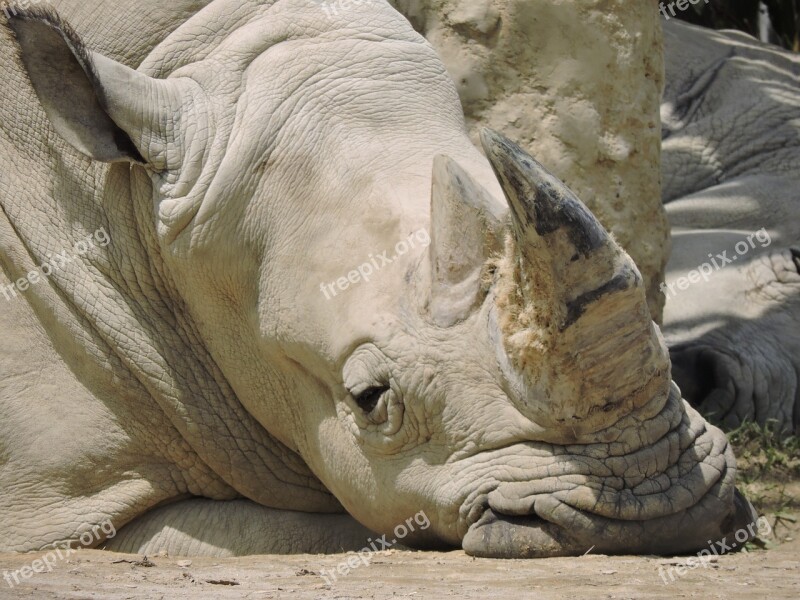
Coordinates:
<point>571,303</point>
<point>465,233</point>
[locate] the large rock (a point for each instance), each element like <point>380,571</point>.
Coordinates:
<point>578,82</point>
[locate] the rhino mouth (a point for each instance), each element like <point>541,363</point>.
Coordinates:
<point>498,535</point>
<point>668,495</point>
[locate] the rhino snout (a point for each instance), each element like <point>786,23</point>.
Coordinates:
<point>622,497</point>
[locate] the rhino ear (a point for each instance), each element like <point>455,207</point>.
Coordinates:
<point>102,108</point>
<point>464,235</point>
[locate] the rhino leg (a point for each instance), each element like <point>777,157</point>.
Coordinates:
<point>202,527</point>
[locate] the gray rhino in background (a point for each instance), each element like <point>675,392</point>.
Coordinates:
<point>191,383</point>
<point>731,172</point>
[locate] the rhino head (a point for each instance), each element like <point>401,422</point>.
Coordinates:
<point>524,395</point>
<point>506,378</point>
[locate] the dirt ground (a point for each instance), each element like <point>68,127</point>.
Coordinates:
<point>397,575</point>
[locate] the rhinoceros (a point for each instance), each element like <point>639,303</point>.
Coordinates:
<point>731,172</point>
<point>180,375</point>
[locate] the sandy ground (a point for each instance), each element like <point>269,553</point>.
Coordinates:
<point>396,575</point>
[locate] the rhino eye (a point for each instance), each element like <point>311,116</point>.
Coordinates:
<point>368,399</point>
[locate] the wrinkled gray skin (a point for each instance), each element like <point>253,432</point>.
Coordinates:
<point>731,166</point>
<point>190,383</point>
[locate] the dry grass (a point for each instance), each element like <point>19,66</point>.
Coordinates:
<point>769,471</point>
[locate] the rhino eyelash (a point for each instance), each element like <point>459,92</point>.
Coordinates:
<point>369,398</point>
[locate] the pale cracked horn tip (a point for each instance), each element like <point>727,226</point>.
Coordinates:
<point>540,202</point>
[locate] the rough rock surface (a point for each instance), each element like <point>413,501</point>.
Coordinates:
<point>578,83</point>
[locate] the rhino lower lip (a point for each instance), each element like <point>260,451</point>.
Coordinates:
<point>496,535</point>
